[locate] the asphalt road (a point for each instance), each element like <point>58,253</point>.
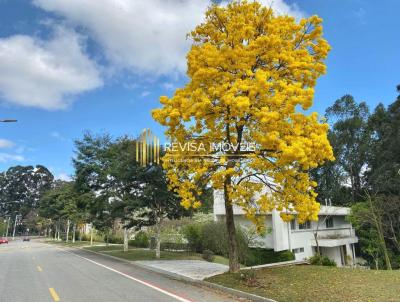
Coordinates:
<point>38,272</point>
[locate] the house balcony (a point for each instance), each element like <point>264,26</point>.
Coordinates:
<point>335,237</point>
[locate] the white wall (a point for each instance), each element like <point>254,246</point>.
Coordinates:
<point>281,237</point>
<point>266,241</point>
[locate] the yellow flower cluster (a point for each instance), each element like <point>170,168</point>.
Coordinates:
<point>250,72</point>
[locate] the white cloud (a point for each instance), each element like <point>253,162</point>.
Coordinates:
<point>6,157</point>
<point>145,93</point>
<point>282,8</point>
<point>168,86</point>
<point>58,136</point>
<point>142,36</point>
<point>55,134</point>
<point>45,73</point>
<point>5,143</point>
<point>361,16</point>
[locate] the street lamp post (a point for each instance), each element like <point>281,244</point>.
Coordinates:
<point>17,218</point>
<point>8,222</point>
<point>8,225</point>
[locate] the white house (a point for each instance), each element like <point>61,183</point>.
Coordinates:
<point>335,236</point>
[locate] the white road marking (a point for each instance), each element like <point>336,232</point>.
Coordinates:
<point>172,295</point>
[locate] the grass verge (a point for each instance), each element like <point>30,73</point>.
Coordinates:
<point>317,283</point>
<point>135,254</point>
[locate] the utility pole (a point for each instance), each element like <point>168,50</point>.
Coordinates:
<point>8,222</point>
<point>8,225</point>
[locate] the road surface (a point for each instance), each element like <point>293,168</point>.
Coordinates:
<point>38,272</point>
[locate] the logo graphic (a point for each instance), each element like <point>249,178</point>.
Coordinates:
<point>147,148</point>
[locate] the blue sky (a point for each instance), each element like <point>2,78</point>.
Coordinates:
<point>67,66</point>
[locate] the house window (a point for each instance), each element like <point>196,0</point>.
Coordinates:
<point>293,224</point>
<point>298,250</point>
<point>329,222</point>
<point>305,226</point>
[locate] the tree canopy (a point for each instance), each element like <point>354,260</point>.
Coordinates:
<point>249,71</point>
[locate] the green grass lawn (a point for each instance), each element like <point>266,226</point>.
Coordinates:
<point>136,254</point>
<point>75,244</point>
<point>103,247</point>
<point>142,254</point>
<point>318,283</point>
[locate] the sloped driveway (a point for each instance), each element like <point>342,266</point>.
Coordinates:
<point>194,269</point>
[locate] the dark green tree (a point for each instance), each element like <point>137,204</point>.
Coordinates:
<point>349,137</point>
<point>153,202</point>
<point>331,178</point>
<point>21,188</point>
<point>383,175</point>
<point>92,164</point>
<point>368,217</point>
<point>64,206</point>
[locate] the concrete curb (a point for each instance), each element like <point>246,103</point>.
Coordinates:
<point>227,290</point>
<point>277,264</point>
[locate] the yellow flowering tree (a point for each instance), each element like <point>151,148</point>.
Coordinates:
<point>251,77</point>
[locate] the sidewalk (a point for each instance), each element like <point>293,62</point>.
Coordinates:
<point>194,269</point>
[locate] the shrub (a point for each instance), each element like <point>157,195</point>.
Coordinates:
<point>249,278</point>
<point>258,256</point>
<point>96,237</point>
<point>322,260</point>
<point>141,240</point>
<point>173,246</point>
<point>113,239</point>
<point>193,234</point>
<point>208,255</point>
<point>85,237</point>
<point>215,238</point>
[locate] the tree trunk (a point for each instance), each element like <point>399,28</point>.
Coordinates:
<point>316,243</point>
<point>68,222</point>
<point>231,229</point>
<point>394,236</point>
<point>383,244</point>
<point>158,238</point>
<point>73,234</point>
<point>58,231</point>
<point>126,247</point>
<point>91,234</point>
<point>316,235</point>
<point>55,233</point>
<point>378,224</point>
